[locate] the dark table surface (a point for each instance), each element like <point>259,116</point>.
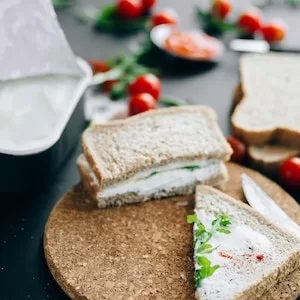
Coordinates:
<point>23,271</point>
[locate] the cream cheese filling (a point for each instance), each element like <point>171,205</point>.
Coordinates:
<point>243,257</point>
<point>177,174</point>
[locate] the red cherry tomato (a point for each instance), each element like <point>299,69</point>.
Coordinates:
<point>147,83</point>
<point>250,21</point>
<point>239,149</point>
<point>273,32</point>
<point>148,4</point>
<point>99,66</point>
<point>129,9</point>
<point>108,85</point>
<point>289,172</point>
<point>221,8</point>
<point>164,18</point>
<point>140,103</point>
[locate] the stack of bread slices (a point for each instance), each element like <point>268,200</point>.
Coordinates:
<point>267,108</point>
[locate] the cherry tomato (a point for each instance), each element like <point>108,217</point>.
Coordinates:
<point>239,149</point>
<point>250,21</point>
<point>108,85</point>
<point>147,83</point>
<point>140,103</point>
<point>273,32</point>
<point>148,4</point>
<point>129,9</point>
<point>289,172</point>
<point>221,8</point>
<point>99,66</point>
<point>167,17</point>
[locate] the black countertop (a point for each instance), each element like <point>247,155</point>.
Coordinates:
<point>23,270</point>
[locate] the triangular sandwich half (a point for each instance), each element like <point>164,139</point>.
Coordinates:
<point>238,253</point>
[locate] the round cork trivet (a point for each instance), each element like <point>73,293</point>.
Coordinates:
<point>142,251</point>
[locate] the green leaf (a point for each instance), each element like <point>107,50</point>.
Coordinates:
<point>113,74</point>
<point>109,20</point>
<point>192,219</point>
<point>206,246</point>
<point>225,220</point>
<point>222,220</point>
<point>108,11</point>
<point>217,24</point>
<point>206,269</point>
<point>154,173</point>
<point>61,3</point>
<point>221,224</point>
<point>138,69</point>
<point>191,168</point>
<point>204,236</point>
<point>119,90</point>
<point>224,230</point>
<point>170,102</point>
<point>205,249</point>
<point>201,238</point>
<point>198,278</point>
<point>293,2</point>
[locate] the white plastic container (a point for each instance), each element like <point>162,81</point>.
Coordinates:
<point>23,169</point>
<point>41,85</point>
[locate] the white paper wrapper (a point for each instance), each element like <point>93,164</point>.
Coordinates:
<point>32,42</point>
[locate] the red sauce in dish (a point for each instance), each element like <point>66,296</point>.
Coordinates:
<point>193,45</point>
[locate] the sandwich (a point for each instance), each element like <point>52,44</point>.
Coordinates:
<point>157,154</point>
<point>238,254</point>
<point>267,108</point>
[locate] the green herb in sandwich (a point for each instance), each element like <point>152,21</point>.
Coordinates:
<point>201,245</point>
<point>190,168</point>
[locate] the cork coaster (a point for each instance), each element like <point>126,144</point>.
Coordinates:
<point>141,251</point>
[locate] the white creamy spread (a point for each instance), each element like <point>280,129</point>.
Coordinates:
<point>166,178</point>
<point>243,256</point>
<point>172,175</point>
<point>31,108</point>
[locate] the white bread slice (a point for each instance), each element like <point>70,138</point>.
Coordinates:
<point>212,174</point>
<point>118,150</point>
<point>253,258</point>
<point>268,158</point>
<point>270,108</point>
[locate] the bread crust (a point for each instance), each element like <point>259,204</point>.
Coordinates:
<point>88,182</point>
<point>278,135</point>
<point>260,155</point>
<point>268,158</point>
<point>121,160</point>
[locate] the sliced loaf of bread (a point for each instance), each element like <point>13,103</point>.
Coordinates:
<point>268,158</point>
<point>268,108</point>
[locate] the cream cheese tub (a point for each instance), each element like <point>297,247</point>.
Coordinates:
<point>41,85</point>
<point>38,136</point>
